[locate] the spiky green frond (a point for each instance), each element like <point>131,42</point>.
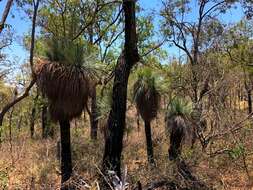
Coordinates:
<point>66,52</point>
<point>146,82</point>
<point>146,95</point>
<point>178,107</point>
<point>75,54</point>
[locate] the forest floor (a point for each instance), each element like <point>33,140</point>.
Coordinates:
<point>27,163</point>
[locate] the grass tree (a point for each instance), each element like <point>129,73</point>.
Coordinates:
<point>63,79</point>
<point>178,110</point>
<point>147,99</point>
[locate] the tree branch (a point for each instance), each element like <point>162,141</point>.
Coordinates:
<point>15,101</point>
<point>106,29</point>
<point>153,49</point>
<point>36,6</point>
<point>5,14</point>
<point>232,129</point>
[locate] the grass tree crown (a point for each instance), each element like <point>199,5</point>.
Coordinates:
<point>63,78</point>
<point>146,95</point>
<point>178,107</point>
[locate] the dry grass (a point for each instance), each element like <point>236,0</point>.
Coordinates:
<point>34,162</point>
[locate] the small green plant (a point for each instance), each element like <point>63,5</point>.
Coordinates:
<point>3,180</point>
<point>236,152</point>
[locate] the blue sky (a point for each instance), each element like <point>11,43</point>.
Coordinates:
<point>21,25</point>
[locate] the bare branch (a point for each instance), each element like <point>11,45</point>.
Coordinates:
<point>106,29</point>
<point>212,8</point>
<point>232,129</point>
<point>98,8</point>
<point>153,48</point>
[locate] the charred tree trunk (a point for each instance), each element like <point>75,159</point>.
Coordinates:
<point>149,144</point>
<point>93,115</point>
<point>249,101</point>
<point>32,121</point>
<point>138,121</point>
<point>116,120</point>
<point>176,138</point>
<point>44,121</point>
<point>48,130</point>
<point>66,161</point>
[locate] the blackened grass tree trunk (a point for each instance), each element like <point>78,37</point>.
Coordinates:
<point>249,101</point>
<point>66,161</point>
<point>149,144</point>
<point>32,121</point>
<point>48,129</point>
<point>116,120</point>
<point>176,138</point>
<point>44,120</point>
<point>248,87</point>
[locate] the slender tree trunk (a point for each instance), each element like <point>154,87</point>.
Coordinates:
<point>44,121</point>
<point>116,120</point>
<point>48,129</point>
<point>138,121</point>
<point>19,122</point>
<point>32,116</point>
<point>195,81</point>
<point>149,144</point>
<point>32,121</point>
<point>10,131</point>
<point>93,115</point>
<point>93,95</point>
<point>249,101</point>
<point>66,161</point>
